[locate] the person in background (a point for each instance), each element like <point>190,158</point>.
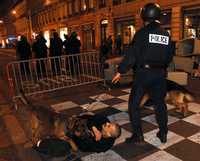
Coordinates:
<point>56,48</point>
<point>39,48</point>
<point>23,52</point>
<point>74,50</point>
<point>109,43</point>
<point>66,44</point>
<point>118,44</point>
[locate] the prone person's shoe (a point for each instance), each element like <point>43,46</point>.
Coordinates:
<point>162,137</point>
<point>135,139</point>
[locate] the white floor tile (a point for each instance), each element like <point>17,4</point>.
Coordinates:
<point>124,134</point>
<point>106,156</point>
<point>172,138</point>
<point>151,119</point>
<point>195,138</point>
<point>120,118</point>
<point>64,106</point>
<point>160,156</point>
<point>194,119</point>
<point>124,97</point>
<point>128,90</point>
<point>94,106</point>
<point>121,106</point>
<point>194,107</point>
<point>102,97</point>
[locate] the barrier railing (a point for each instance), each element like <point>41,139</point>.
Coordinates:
<point>53,73</point>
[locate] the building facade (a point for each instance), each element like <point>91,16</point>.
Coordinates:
<point>95,20</point>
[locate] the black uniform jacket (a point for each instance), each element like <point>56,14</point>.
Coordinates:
<point>151,45</point>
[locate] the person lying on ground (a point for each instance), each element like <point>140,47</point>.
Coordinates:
<point>93,132</point>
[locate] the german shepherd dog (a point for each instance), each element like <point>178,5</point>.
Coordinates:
<point>176,95</point>
<point>44,121</point>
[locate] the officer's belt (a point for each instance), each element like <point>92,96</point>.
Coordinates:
<point>153,66</point>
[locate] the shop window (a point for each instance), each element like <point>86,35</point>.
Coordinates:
<point>76,6</point>
<point>126,29</point>
<point>88,37</point>
<point>191,23</point>
<point>102,3</point>
<point>104,30</point>
<point>83,5</point>
<point>116,2</point>
<point>70,8</point>
<point>91,4</point>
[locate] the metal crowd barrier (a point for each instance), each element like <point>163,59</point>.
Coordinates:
<point>53,73</point>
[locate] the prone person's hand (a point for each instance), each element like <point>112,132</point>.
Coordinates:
<point>97,133</point>
<point>116,78</point>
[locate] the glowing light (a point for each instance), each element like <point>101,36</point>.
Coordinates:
<point>18,38</point>
<point>84,7</point>
<point>3,44</point>
<point>1,21</point>
<point>47,37</point>
<point>14,12</point>
<point>104,22</point>
<point>187,21</point>
<point>62,32</point>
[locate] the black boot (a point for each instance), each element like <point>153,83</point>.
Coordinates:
<point>162,137</point>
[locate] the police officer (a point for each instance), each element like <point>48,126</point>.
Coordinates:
<point>149,54</point>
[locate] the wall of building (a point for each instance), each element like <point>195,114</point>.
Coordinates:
<point>72,15</point>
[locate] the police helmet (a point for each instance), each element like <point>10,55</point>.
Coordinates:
<point>151,12</point>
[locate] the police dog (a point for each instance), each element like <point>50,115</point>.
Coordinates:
<point>176,95</point>
<point>45,122</point>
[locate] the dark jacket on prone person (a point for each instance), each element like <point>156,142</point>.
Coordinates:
<point>89,144</point>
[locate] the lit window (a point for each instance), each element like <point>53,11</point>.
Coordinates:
<point>102,3</point>
<point>83,5</point>
<point>91,3</point>
<point>76,6</point>
<point>70,8</point>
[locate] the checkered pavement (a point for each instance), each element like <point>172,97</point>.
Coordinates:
<point>183,138</point>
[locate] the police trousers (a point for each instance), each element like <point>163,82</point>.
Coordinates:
<point>152,81</point>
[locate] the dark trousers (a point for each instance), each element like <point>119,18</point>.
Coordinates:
<point>41,68</point>
<point>24,66</point>
<point>154,82</point>
<point>56,65</point>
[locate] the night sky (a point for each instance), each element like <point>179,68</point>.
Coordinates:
<point>5,6</point>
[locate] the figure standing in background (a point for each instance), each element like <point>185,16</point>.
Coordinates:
<point>23,52</point>
<point>56,48</point>
<point>118,44</point>
<point>75,45</point>
<point>109,43</point>
<point>39,48</point>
